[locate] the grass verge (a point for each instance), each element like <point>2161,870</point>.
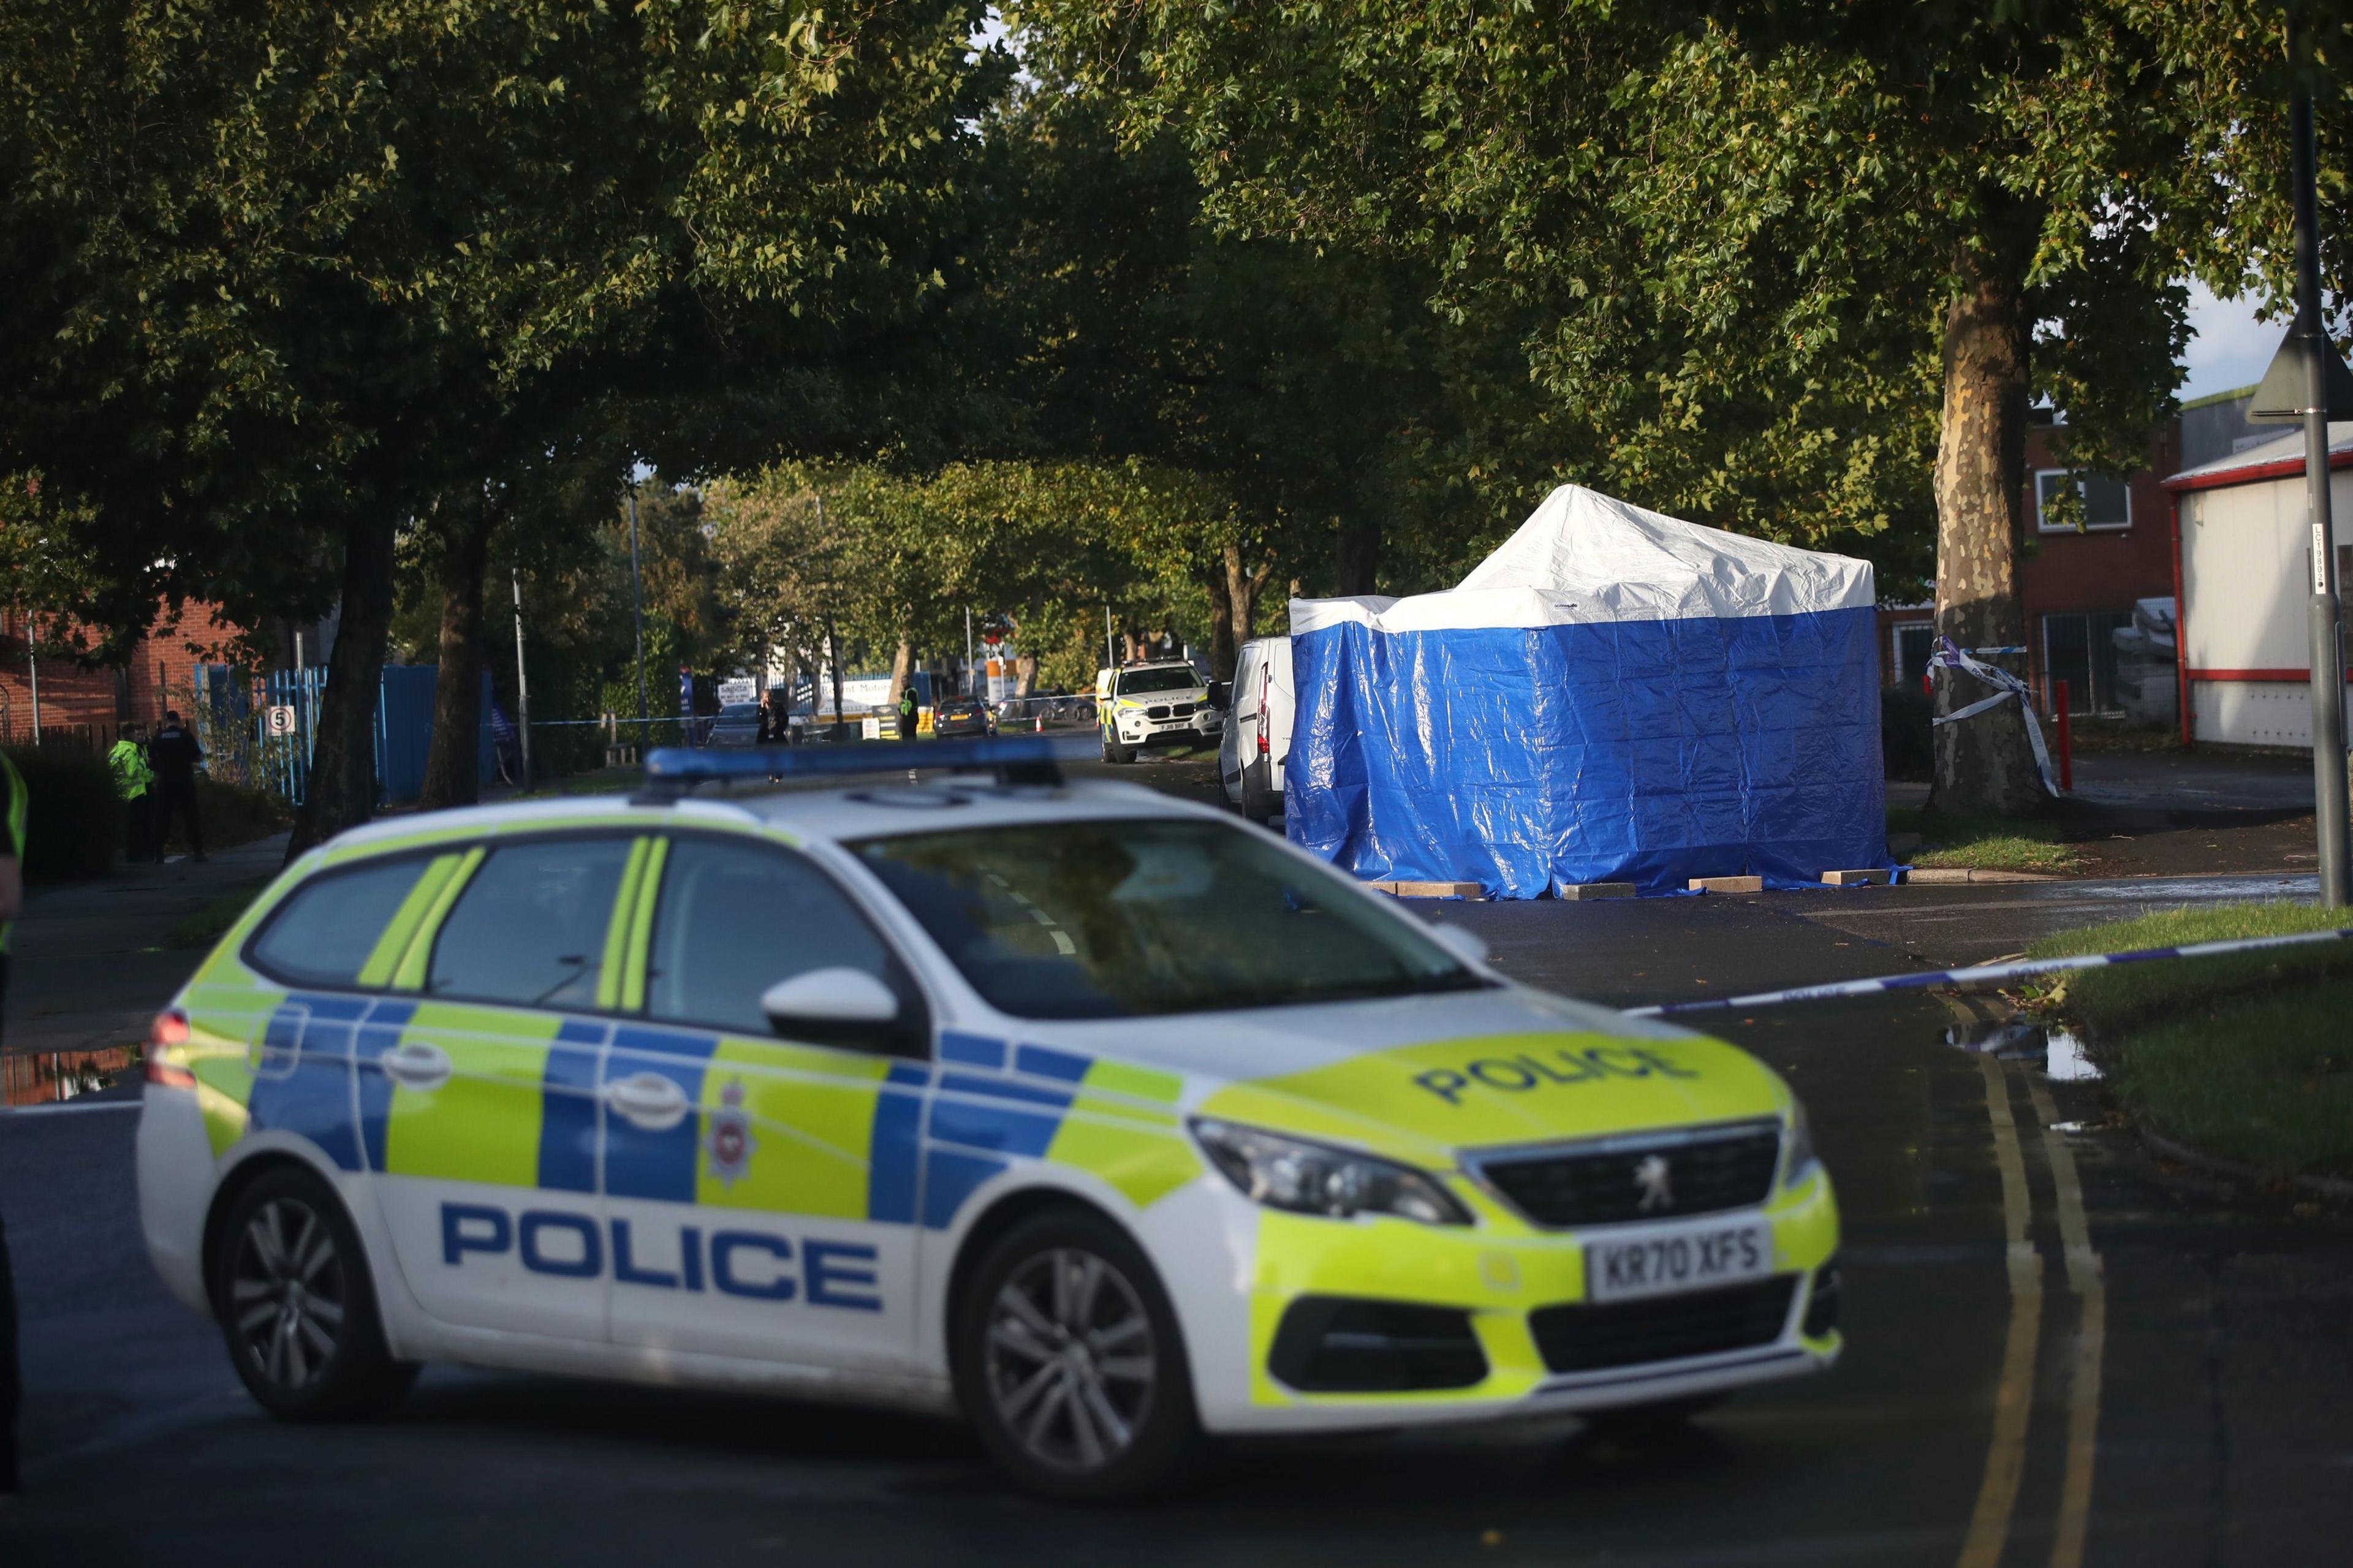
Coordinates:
<point>1985,843</point>
<point>203,926</point>
<point>2245,1056</point>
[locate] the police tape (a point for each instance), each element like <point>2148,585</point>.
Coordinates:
<point>2007,688</point>
<point>1984,974</point>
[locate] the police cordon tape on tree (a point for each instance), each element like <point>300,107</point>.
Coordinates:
<point>1087,1112</point>
<point>1983,974</point>
<point>2007,688</point>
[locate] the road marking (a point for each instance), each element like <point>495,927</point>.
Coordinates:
<point>2084,1278</point>
<point>2013,1403</point>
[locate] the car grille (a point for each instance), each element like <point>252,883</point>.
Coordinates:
<point>1159,712</point>
<point>1579,1338</point>
<point>1705,1172</point>
<point>1181,711</point>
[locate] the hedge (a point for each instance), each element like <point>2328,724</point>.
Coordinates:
<point>73,821</point>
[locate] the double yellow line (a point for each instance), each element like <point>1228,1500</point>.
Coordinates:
<point>2013,1407</point>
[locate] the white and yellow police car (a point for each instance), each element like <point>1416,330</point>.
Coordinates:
<point>1164,702</point>
<point>1092,1114</point>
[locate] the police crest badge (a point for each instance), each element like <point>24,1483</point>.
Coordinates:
<point>729,1142</point>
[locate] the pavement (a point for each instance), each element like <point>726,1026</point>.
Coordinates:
<point>92,962</point>
<point>2059,1349</point>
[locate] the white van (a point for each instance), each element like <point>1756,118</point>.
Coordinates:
<point>1258,735</point>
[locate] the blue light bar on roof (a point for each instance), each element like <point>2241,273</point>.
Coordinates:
<point>1024,759</point>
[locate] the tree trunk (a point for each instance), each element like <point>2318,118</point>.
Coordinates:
<point>902,669</point>
<point>1221,622</point>
<point>1983,763</point>
<point>1242,589</point>
<point>453,761</point>
<point>1356,557</point>
<point>341,789</point>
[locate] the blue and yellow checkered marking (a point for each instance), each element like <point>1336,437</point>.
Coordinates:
<point>525,1109</point>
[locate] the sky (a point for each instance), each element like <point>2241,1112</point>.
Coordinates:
<point>2229,348</point>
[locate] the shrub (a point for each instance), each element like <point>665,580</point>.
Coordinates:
<point>73,821</point>
<point>1905,736</point>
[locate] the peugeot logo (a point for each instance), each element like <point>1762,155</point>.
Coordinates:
<point>1654,1177</point>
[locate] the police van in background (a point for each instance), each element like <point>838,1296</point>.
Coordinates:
<point>1257,730</point>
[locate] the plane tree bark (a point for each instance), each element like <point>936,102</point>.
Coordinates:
<point>1984,762</point>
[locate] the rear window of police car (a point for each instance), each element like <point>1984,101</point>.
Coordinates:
<point>323,933</point>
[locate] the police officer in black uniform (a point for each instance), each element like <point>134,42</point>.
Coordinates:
<point>173,753</point>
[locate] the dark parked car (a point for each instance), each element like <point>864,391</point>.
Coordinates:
<point>738,724</point>
<point>963,716</point>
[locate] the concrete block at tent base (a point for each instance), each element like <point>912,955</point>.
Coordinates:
<point>1727,884</point>
<point>1599,890</point>
<point>1900,845</point>
<point>1429,890</point>
<point>1854,879</point>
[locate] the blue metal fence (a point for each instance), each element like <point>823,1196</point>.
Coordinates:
<point>284,755</point>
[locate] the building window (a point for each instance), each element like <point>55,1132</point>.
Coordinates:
<point>1910,643</point>
<point>2107,503</point>
<point>2081,649</point>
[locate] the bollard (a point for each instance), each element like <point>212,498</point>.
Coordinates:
<point>2066,738</point>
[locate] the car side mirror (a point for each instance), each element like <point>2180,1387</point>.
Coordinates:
<point>1221,694</point>
<point>831,1006</point>
<point>1462,942</point>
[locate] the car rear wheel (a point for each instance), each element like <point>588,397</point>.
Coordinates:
<point>291,1292</point>
<point>1070,1364</point>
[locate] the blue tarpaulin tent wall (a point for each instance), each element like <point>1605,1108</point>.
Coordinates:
<point>404,731</point>
<point>1613,696</point>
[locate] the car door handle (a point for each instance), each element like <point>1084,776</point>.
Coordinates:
<point>648,1099</point>
<point>414,1064</point>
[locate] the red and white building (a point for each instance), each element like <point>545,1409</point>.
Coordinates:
<point>2242,546</point>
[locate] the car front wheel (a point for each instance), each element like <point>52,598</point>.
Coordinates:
<point>1070,1364</point>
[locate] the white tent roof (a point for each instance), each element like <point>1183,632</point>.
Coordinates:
<point>1584,557</point>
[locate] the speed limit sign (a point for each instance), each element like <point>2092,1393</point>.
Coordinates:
<point>281,720</point>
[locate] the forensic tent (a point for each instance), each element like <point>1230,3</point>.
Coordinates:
<point>1612,696</point>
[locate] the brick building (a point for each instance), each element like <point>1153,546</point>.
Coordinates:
<point>2080,587</point>
<point>94,703</point>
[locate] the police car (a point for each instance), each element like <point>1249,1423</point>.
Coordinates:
<point>1089,1113</point>
<point>1154,704</point>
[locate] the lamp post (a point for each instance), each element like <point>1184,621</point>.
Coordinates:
<point>638,612</point>
<point>2328,761</point>
<point>522,684</point>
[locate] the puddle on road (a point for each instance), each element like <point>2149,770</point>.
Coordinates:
<point>44,1078</point>
<point>2202,889</point>
<point>2061,1053</point>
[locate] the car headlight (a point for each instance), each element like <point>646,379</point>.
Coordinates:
<point>1308,1178</point>
<point>1798,1160</point>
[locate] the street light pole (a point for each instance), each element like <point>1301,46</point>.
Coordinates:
<point>522,683</point>
<point>638,612</point>
<point>2329,759</point>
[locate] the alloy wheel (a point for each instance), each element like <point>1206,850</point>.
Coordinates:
<point>1070,1359</point>
<point>286,1292</point>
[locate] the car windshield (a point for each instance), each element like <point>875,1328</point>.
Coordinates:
<point>1136,682</point>
<point>740,710</point>
<point>1129,919</point>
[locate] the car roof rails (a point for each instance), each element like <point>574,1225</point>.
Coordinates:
<point>673,772</point>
